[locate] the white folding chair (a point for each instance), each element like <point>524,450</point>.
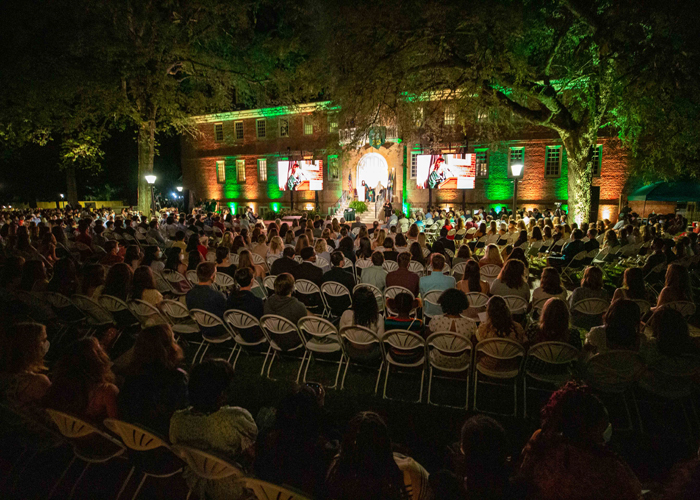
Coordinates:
<point>416,267</point>
<point>552,354</point>
<point>321,262</point>
<point>268,491</point>
<point>308,290</point>
<point>445,268</point>
<point>449,253</point>
<point>269,284</point>
<point>223,282</point>
<point>361,336</point>
<point>588,313</point>
<point>431,298</point>
<point>96,315</point>
<point>119,310</point>
<point>644,306</point>
<point>489,273</point>
<point>334,291</point>
<point>247,333</point>
<point>459,269</point>
<point>685,307</point>
<point>208,321</point>
<point>179,318</point>
<point>205,465</point>
<point>396,343</point>
<point>390,265</point>
<point>499,349</point>
<point>278,331</point>
<point>147,313</point>
<point>174,278</point>
<point>320,337</point>
<point>192,277</point>
<point>448,352</point>
<point>362,264</point>
<point>477,303</point>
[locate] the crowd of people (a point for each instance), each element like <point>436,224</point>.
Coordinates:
<point>103,254</point>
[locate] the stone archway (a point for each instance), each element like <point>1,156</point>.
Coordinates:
<point>373,169</point>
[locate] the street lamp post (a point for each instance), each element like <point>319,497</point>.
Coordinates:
<point>151,179</point>
<point>516,169</point>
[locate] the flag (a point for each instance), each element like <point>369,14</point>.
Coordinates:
<point>349,181</point>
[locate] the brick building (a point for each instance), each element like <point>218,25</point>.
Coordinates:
<point>233,158</point>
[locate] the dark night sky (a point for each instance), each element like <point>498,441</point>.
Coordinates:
<point>31,173</point>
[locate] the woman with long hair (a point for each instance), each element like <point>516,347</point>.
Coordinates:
<point>422,241</point>
<point>302,242</point>
<point>610,241</point>
<point>321,249</point>
<point>412,234</point>
<point>144,286</point>
<point>346,246</point>
<point>536,234</point>
<point>365,467</point>
<point>491,256</point>
<point>22,351</point>
<point>33,276</point>
<point>364,250</point>
<point>83,382</point>
<point>245,260</point>
<point>510,281</point>
<point>65,278</point>
<point>677,286</point>
<point>152,258</point>
<point>553,326</point>
<point>378,243</point>
<point>633,287</point>
<point>364,312</point>
<point>118,281</point>
<point>133,256</point>
<point>591,286</point>
<point>620,329</point>
<point>47,249</point>
<point>238,244</point>
<point>92,280</point>
<point>522,239</point>
<point>193,260</point>
<point>227,240</point>
<point>417,253</point>
<point>284,229</point>
<point>499,324</point>
<point>472,282</point>
<point>276,247</point>
<point>175,260</point>
<point>550,286</point>
<point>155,386</point>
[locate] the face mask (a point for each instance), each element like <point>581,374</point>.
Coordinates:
<point>159,255</point>
<point>608,433</point>
<point>45,347</point>
<point>182,257</point>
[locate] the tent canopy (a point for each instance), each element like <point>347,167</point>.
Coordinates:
<point>667,191</point>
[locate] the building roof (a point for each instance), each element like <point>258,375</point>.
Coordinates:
<point>262,112</point>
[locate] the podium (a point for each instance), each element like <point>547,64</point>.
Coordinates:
<point>349,215</point>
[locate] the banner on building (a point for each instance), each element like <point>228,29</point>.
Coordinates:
<point>377,137</point>
<point>445,171</point>
<point>300,175</point>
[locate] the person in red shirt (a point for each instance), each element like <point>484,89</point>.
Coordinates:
<point>112,257</point>
<point>403,277</point>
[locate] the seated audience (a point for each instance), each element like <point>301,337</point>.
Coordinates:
<point>204,296</point>
<point>112,256</point>
<point>366,467</point>
<point>64,279</point>
<point>550,286</point>
<point>499,324</point>
<point>281,303</point>
<point>308,270</point>
<point>471,282</point>
<point>375,274</point>
<point>285,264</point>
<point>633,287</point>
<point>492,256</point>
<point>510,281</point>
<point>453,303</point>
<point>620,331</point>
<point>399,314</point>
<point>364,312</point>
<point>339,273</point>
<point>591,287</point>
<point>155,387</point>
<point>676,287</point>
<point>223,261</point>
<point>463,255</point>
<point>23,347</point>
<point>211,425</point>
<point>403,277</point>
<point>93,278</point>
<point>436,280</point>
<point>553,326</point>
<point>83,383</point>
<point>242,298</point>
<point>144,286</point>
<point>568,456</point>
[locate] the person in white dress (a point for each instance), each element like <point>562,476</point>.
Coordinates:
<point>452,302</point>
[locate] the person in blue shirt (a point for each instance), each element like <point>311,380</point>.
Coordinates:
<point>204,296</point>
<point>435,281</point>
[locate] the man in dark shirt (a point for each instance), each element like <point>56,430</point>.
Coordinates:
<point>307,270</point>
<point>358,223</point>
<point>655,258</point>
<point>204,296</point>
<point>286,264</point>
<point>592,243</point>
<point>389,252</point>
<point>569,251</point>
<point>244,299</point>
<point>445,242</point>
<point>403,277</point>
<point>337,273</point>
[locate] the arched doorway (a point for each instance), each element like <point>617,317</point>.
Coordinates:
<point>373,169</point>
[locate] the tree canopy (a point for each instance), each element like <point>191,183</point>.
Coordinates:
<point>578,68</point>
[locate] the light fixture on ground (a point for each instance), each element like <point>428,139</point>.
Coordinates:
<point>516,170</point>
<point>151,179</point>
<point>179,189</point>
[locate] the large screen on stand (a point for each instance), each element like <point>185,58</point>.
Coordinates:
<point>445,171</point>
<point>300,175</point>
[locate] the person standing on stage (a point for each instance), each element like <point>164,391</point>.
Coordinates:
<point>388,210</point>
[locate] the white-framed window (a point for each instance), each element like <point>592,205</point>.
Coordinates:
<point>515,155</point>
<point>220,171</point>
<point>261,128</point>
<point>597,160</point>
<point>284,127</point>
<point>414,165</point>
<point>481,161</point>
<point>238,130</point>
<point>219,132</point>
<point>333,168</point>
<point>262,170</point>
<point>240,170</point>
<point>308,125</point>
<point>449,117</point>
<point>552,162</point>
<point>332,123</point>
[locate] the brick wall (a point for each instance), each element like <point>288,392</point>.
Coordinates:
<point>201,151</point>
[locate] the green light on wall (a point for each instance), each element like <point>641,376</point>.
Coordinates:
<point>275,207</point>
<point>232,207</point>
<point>399,141</point>
<point>406,208</point>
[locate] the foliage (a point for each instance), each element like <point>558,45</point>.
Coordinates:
<point>360,207</point>
<point>580,69</point>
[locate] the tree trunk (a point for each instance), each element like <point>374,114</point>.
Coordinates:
<point>147,148</point>
<point>579,154</point>
<point>71,185</point>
